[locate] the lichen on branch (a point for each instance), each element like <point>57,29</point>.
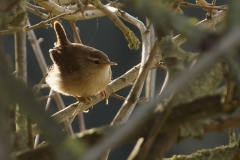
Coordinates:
<point>129,35</point>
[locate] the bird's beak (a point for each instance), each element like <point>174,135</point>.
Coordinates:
<point>112,63</point>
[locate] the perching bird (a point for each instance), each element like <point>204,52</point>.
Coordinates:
<point>78,70</point>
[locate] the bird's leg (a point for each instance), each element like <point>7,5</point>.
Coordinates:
<point>75,113</point>
<point>104,92</point>
<point>84,99</point>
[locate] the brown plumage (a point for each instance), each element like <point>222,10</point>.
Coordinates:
<point>78,70</point>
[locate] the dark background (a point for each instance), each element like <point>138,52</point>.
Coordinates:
<point>104,35</point>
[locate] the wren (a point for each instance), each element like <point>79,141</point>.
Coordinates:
<point>78,70</point>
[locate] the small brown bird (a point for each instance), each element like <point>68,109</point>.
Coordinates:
<point>78,70</point>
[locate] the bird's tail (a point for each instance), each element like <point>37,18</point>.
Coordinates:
<point>61,35</point>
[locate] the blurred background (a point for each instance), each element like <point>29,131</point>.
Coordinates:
<point>103,34</point>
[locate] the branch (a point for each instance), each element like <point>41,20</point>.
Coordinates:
<point>87,12</point>
<point>134,95</point>
<point>34,9</point>
<point>75,32</point>
<point>207,23</point>
<point>23,132</point>
<point>41,24</point>
<point>5,120</point>
<point>150,84</point>
<point>62,2</point>
<point>133,42</point>
<point>186,4</point>
<point>218,153</point>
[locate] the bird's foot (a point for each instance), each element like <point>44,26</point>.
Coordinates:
<point>104,92</point>
<point>86,100</point>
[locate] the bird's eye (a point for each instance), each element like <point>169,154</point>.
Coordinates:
<point>97,62</point>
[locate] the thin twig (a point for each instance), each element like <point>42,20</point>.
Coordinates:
<point>50,96</point>
<point>118,97</point>
<point>151,78</point>
<point>75,32</point>
<point>44,23</point>
<point>81,122</point>
<point>229,89</point>
<point>35,7</point>
<point>212,11</point>
<point>41,24</point>
<point>203,3</point>
<point>136,149</point>
<point>160,65</point>
<point>64,2</point>
<point>186,4</point>
<point>214,2</point>
<point>142,28</point>
<point>37,50</point>
<point>133,42</point>
<point>140,100</point>
<point>128,105</point>
<point>206,23</point>
<point>45,86</point>
<point>45,97</point>
<point>36,12</point>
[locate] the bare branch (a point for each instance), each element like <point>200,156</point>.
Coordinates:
<point>130,102</point>
<point>186,4</point>
<point>151,78</point>
<point>55,9</point>
<point>133,42</point>
<point>207,23</point>
<point>23,132</point>
<point>30,8</point>
<point>220,153</point>
<point>75,32</point>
